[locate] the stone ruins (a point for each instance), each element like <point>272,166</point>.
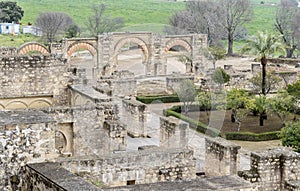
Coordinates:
<point>68,127</point>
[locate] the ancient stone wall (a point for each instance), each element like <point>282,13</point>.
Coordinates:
<point>147,166</point>
<point>8,51</point>
<point>174,82</point>
<point>24,137</point>
<point>221,157</point>
<point>173,133</point>
<point>52,177</point>
<point>25,76</point>
<point>134,115</point>
<point>276,169</point>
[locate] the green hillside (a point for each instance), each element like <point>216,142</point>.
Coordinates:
<point>139,15</point>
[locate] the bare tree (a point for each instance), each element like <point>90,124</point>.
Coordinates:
<point>99,23</point>
<point>198,17</point>
<point>288,25</point>
<point>53,24</point>
<point>234,13</point>
<point>221,19</point>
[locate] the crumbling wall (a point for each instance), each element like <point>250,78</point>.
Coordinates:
<point>134,115</point>
<point>52,177</point>
<point>24,137</point>
<point>276,169</point>
<point>221,157</point>
<point>147,166</point>
<point>174,82</point>
<point>173,133</point>
<point>8,51</point>
<point>25,76</point>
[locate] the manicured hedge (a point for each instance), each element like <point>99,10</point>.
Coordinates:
<point>248,136</point>
<point>158,98</point>
<point>198,126</point>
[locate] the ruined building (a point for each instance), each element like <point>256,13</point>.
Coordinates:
<point>62,129</point>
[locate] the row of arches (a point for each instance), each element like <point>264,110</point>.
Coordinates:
<point>135,59</point>
<point>21,104</point>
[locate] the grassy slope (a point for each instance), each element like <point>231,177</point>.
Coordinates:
<point>139,15</point>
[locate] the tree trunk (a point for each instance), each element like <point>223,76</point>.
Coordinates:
<point>230,44</point>
<point>264,71</point>
<point>232,116</point>
<point>261,120</point>
<point>289,53</point>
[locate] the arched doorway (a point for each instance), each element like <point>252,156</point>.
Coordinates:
<point>131,54</point>
<point>178,57</point>
<point>131,58</point>
<point>83,57</point>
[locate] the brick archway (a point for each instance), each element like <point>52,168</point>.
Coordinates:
<point>135,40</point>
<point>32,47</point>
<point>81,46</point>
<point>178,42</point>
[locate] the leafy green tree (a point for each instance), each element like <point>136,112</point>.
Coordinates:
<point>290,135</point>
<point>99,23</point>
<point>239,102</point>
<point>215,53</point>
<point>282,104</point>
<point>261,105</point>
<point>272,81</point>
<point>264,45</point>
<point>294,89</point>
<point>220,77</point>
<point>186,93</point>
<point>73,31</point>
<point>204,101</point>
<point>10,12</point>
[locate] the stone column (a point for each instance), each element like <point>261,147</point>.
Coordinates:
<point>221,157</point>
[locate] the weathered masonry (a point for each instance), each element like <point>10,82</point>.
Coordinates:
<point>105,49</point>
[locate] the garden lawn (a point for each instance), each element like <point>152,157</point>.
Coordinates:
<point>250,123</point>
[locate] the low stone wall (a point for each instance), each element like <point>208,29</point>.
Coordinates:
<point>276,169</point>
<point>221,157</point>
<point>175,81</point>
<point>8,51</point>
<point>141,167</point>
<point>223,183</point>
<point>24,137</point>
<point>134,115</point>
<point>118,135</point>
<point>173,133</point>
<point>52,177</point>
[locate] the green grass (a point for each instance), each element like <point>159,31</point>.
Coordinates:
<point>139,15</point>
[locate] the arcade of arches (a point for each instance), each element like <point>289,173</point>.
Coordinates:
<point>154,53</point>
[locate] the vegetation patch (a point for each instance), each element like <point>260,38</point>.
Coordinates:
<point>158,99</point>
<point>248,136</point>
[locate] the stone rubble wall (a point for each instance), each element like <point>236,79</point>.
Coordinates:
<point>134,115</point>
<point>147,166</point>
<point>21,144</point>
<point>221,157</point>
<point>23,76</point>
<point>118,135</point>
<point>174,82</point>
<point>8,51</point>
<point>52,177</point>
<point>173,133</point>
<point>276,169</point>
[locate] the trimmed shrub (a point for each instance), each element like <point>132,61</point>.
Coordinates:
<point>198,126</point>
<point>158,98</point>
<point>248,136</point>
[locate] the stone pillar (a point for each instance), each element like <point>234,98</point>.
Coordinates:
<point>221,157</point>
<point>117,134</point>
<point>173,132</point>
<point>276,169</point>
<point>134,115</point>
